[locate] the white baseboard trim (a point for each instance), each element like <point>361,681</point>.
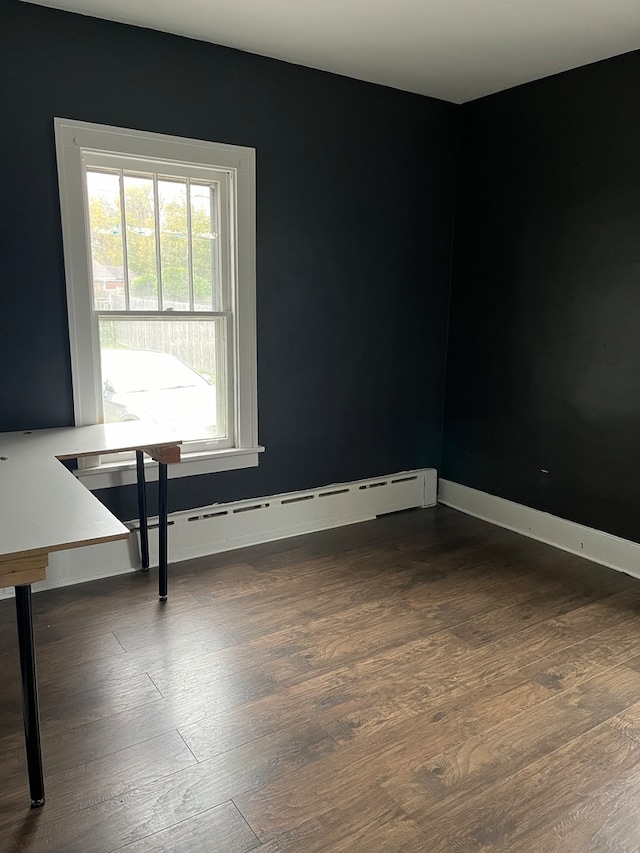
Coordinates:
<point>595,545</point>
<point>223,527</point>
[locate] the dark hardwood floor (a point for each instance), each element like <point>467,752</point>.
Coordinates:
<point>423,682</point>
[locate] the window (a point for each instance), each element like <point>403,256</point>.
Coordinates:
<point>159,238</point>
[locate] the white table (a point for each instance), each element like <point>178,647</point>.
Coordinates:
<point>44,508</point>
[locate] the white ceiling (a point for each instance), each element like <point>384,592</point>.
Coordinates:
<point>456,50</point>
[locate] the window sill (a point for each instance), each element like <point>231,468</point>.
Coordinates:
<point>110,474</point>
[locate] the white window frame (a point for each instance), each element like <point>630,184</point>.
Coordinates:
<point>75,142</point>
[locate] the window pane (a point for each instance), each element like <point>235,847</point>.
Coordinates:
<point>172,204</point>
<point>105,227</point>
<point>204,249</point>
<point>141,242</point>
<point>169,372</point>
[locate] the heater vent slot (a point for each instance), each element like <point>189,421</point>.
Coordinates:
<point>151,526</point>
<point>250,508</point>
<point>297,500</point>
<point>208,515</point>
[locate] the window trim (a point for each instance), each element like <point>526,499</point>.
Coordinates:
<point>73,138</point>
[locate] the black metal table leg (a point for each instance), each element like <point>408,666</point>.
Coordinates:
<point>162,530</point>
<point>142,511</point>
<point>30,694</point>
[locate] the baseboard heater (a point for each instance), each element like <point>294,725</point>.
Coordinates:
<point>223,527</point>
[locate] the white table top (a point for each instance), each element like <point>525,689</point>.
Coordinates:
<point>73,442</point>
<point>43,507</point>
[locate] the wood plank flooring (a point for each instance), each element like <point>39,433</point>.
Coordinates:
<point>424,682</point>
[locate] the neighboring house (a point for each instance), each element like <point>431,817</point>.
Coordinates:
<point>109,280</point>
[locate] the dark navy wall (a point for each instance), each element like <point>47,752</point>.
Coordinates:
<point>544,359</point>
<point>355,207</point>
